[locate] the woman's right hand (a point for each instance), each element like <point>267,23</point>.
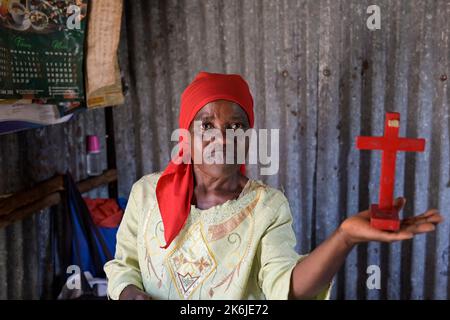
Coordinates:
<point>132,292</point>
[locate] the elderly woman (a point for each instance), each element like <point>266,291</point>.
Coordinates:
<point>202,230</point>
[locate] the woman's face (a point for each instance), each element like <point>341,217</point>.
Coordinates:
<point>209,137</point>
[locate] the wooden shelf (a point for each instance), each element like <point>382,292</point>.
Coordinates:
<point>22,204</point>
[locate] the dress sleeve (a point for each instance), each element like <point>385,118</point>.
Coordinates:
<point>124,269</point>
<point>277,257</point>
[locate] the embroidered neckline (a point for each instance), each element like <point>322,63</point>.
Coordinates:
<point>221,212</point>
<point>244,191</point>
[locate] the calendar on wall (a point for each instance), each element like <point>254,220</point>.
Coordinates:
<point>41,49</point>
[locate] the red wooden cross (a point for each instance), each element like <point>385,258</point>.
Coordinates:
<point>384,215</point>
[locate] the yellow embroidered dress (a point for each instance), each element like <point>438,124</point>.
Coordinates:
<point>241,249</point>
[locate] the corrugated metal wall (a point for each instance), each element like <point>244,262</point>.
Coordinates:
<point>320,76</point>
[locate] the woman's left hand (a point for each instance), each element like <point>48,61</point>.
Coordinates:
<point>357,229</point>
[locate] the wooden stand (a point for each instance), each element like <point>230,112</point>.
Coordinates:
<point>384,219</point>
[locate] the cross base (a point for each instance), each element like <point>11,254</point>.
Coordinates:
<point>384,219</point>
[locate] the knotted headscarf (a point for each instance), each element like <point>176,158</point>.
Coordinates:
<point>175,187</point>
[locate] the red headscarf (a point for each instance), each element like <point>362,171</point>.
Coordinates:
<point>175,187</point>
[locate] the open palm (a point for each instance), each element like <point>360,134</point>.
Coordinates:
<point>357,228</point>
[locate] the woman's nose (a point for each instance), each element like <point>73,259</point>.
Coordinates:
<point>222,137</point>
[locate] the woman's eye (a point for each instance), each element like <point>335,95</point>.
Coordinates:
<point>206,126</point>
<point>236,126</point>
